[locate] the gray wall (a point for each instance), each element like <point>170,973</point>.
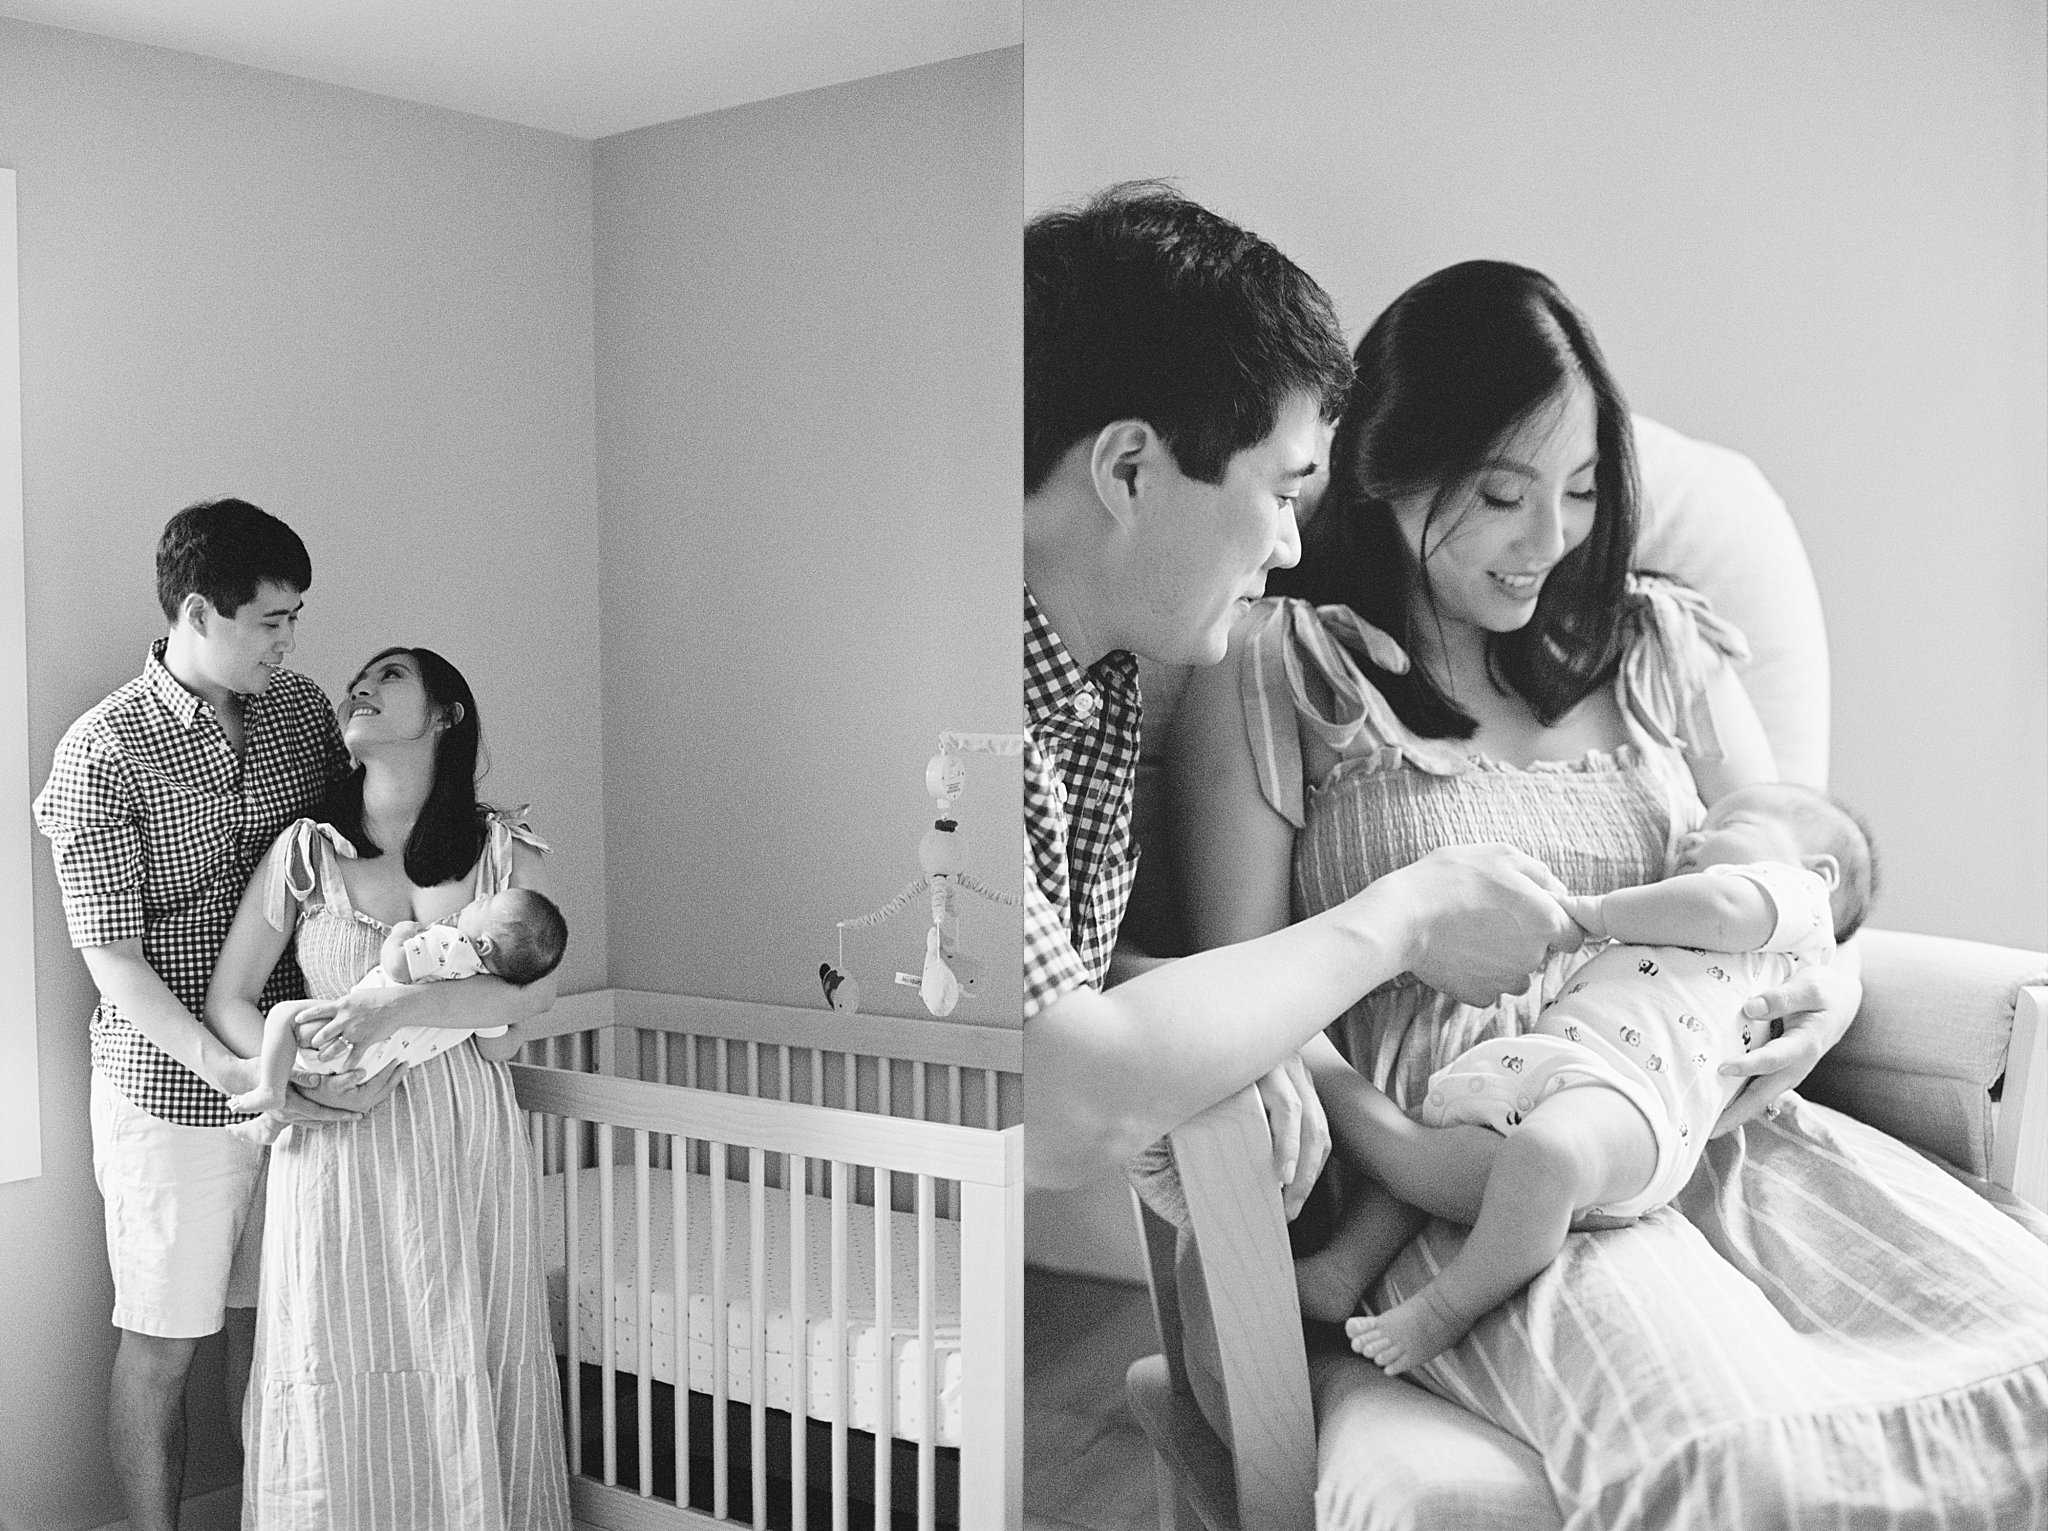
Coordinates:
<point>375,320</point>
<point>385,323</point>
<point>1810,232</point>
<point>809,447</point>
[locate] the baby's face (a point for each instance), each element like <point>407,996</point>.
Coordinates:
<point>1745,826</point>
<point>475,920</point>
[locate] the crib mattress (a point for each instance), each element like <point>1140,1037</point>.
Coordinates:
<point>874,1359</point>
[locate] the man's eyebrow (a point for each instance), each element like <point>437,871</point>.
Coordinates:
<point>285,611</point>
<point>1304,472</point>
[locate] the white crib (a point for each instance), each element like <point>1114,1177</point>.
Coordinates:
<point>785,1262</point>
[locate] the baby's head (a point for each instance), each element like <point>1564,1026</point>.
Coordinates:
<point>1781,821</point>
<point>519,934</point>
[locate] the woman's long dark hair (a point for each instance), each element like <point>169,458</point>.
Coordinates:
<point>1454,366</point>
<point>449,834</point>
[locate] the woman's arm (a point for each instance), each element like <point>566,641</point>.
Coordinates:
<point>1746,756</point>
<point>233,993</point>
<point>1233,855</point>
<point>363,1017</point>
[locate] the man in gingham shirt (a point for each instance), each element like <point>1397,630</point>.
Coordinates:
<point>160,802</point>
<point>1177,374</point>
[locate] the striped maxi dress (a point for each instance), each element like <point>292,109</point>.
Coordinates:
<point>403,1374</point>
<point>1823,1329</point>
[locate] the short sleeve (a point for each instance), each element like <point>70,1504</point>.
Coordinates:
<point>295,868</point>
<point>507,830</point>
<point>1805,925</point>
<point>1052,966</point>
<point>1673,645</point>
<point>1299,669</point>
<point>88,812</point>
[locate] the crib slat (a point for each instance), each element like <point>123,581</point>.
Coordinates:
<point>797,1173</point>
<point>757,1324</point>
<point>842,1387</point>
<point>643,1316</point>
<point>608,1303</point>
<point>679,1195</point>
<point>927,1341</point>
<point>720,1380</point>
<point>572,1301</point>
<point>885,1358</point>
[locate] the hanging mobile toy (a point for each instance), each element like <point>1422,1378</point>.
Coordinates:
<point>942,853</point>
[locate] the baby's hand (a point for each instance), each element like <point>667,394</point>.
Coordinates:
<point>1584,908</point>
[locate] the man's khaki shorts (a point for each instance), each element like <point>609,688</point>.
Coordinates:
<point>184,1210</point>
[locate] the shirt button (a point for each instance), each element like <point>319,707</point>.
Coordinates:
<point>1523,1103</point>
<point>1084,704</point>
<point>1475,1085</point>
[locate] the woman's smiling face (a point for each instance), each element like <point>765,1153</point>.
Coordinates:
<point>1496,536</point>
<point>386,702</point>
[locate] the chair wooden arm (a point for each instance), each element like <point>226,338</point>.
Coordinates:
<point>2019,1147</point>
<point>1225,1303</point>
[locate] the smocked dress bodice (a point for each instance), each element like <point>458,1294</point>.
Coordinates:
<point>1604,821</point>
<point>337,942</point>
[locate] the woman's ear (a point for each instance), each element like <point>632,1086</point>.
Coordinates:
<point>453,715</point>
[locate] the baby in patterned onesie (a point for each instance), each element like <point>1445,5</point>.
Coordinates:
<point>1775,876</point>
<point>516,934</point>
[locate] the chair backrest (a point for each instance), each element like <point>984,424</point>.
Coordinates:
<point>1235,1369</point>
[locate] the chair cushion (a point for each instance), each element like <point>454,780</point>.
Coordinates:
<point>1391,1457</point>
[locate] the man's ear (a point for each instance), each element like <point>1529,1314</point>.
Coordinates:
<point>1825,867</point>
<point>1125,453</point>
<point>195,609</point>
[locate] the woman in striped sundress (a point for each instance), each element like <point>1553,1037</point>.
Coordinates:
<point>1823,1329</point>
<point>403,1374</point>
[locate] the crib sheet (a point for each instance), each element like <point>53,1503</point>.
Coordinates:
<point>867,1365</point>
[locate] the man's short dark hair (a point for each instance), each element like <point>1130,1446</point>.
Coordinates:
<point>224,549</point>
<point>1142,305</point>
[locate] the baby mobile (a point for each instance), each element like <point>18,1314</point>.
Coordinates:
<point>942,853</point>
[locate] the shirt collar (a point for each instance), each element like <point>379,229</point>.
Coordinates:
<point>172,695</point>
<point>1057,691</point>
<point>168,690</point>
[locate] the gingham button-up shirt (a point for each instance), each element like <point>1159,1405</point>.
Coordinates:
<point>155,825</point>
<point>1081,731</point>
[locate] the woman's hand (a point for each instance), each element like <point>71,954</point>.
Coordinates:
<point>338,1097</point>
<point>360,1018</point>
<point>1816,1008</point>
<point>1301,1130</point>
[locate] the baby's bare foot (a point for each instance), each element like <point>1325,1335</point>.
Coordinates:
<point>1327,1286</point>
<point>256,1101</point>
<point>1409,1334</point>
<point>260,1130</point>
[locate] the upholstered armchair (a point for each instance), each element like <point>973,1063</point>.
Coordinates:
<point>1949,1053</point>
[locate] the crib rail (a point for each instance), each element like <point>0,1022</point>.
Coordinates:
<point>602,1131</point>
<point>967,1075</point>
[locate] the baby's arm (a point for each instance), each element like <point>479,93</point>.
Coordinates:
<point>274,1062</point>
<point>1721,914</point>
<point>392,958</point>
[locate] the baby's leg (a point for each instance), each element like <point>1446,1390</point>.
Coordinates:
<point>273,1064</point>
<point>1442,1170</point>
<point>1580,1147</point>
<point>1372,1229</point>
